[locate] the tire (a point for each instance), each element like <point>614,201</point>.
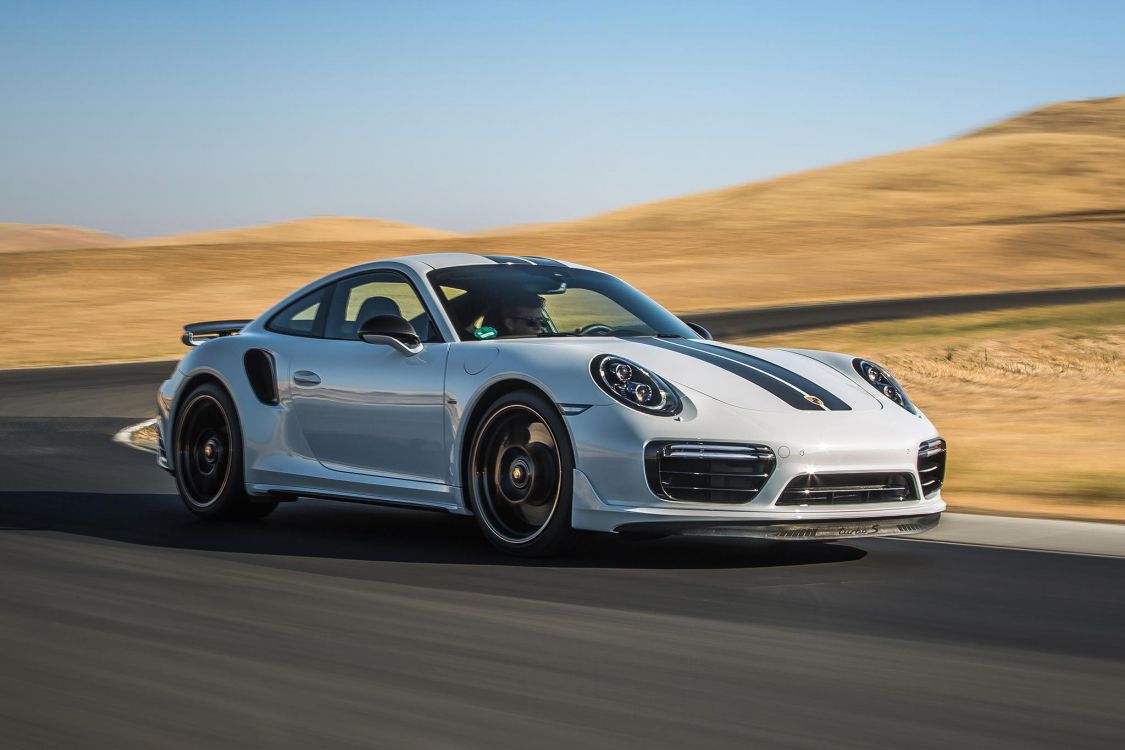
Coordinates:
<point>520,474</point>
<point>207,446</point>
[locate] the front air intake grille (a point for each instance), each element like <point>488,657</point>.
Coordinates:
<point>708,472</point>
<point>931,466</point>
<point>849,489</point>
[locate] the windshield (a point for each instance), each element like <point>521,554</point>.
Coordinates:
<point>519,301</point>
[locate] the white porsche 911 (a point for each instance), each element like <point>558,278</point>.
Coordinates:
<point>539,397</point>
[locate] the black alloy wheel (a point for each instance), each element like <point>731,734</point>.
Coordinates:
<point>208,457</point>
<point>520,475</point>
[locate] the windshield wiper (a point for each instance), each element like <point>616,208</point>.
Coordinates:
<point>620,335</point>
<point>648,335</point>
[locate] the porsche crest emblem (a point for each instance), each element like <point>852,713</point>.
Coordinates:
<point>815,400</point>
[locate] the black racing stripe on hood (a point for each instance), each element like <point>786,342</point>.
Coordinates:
<point>831,400</point>
<point>783,391</point>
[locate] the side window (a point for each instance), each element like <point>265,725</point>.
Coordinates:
<point>300,318</point>
<point>380,293</point>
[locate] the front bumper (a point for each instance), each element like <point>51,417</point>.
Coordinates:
<point>612,493</point>
<point>589,512</point>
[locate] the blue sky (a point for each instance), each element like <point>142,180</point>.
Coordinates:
<point>144,118</point>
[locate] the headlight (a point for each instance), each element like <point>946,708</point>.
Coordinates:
<point>882,381</point>
<point>634,386</point>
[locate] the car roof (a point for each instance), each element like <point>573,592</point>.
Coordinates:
<point>432,261</point>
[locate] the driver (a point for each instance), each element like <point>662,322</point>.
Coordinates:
<point>523,315</point>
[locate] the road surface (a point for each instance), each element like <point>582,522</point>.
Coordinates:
<point>125,622</point>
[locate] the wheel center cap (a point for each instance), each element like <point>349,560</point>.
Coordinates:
<point>520,472</point>
<point>210,450</point>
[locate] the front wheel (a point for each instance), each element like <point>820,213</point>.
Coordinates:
<point>520,476</point>
<point>208,453</point>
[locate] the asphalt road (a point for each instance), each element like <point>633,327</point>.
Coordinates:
<point>126,623</point>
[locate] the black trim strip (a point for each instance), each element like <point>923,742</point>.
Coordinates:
<point>787,393</point>
<point>509,260</point>
<point>832,401</point>
<point>544,261</point>
<point>290,495</point>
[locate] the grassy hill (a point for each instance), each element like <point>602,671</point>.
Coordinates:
<point>1035,201</point>
<point>1010,176</point>
<point>313,229</point>
<point>1088,116</point>
<point>18,238</point>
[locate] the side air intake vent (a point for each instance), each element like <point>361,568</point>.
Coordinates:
<point>931,466</point>
<point>849,489</point>
<point>262,374</point>
<point>708,472</point>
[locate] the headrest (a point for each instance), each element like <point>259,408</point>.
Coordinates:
<point>373,306</point>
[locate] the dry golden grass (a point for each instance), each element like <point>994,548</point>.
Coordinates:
<point>312,229</point>
<point>1090,116</point>
<point>1029,400</point>
<point>17,238</point>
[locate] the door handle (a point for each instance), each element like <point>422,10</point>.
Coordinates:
<point>306,378</point>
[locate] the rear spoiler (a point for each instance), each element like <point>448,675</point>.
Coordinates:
<point>200,333</point>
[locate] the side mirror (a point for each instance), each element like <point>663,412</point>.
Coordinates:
<point>703,332</point>
<point>393,331</point>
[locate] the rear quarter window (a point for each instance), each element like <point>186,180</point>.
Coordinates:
<point>300,318</point>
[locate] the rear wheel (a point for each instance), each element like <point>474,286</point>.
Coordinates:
<point>208,455</point>
<point>520,476</point>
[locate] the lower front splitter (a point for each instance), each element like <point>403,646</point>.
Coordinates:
<point>820,530</point>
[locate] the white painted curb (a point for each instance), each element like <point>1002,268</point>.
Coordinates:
<point>126,436</point>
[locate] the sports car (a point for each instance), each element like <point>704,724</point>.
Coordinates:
<point>542,398</point>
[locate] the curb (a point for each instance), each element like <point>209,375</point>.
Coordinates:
<point>137,436</point>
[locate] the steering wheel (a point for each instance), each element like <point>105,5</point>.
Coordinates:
<point>595,329</point>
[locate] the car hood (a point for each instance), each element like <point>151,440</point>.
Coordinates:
<point>767,380</point>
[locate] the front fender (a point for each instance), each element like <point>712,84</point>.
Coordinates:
<point>842,363</point>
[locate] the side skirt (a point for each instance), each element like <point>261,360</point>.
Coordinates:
<point>288,494</point>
